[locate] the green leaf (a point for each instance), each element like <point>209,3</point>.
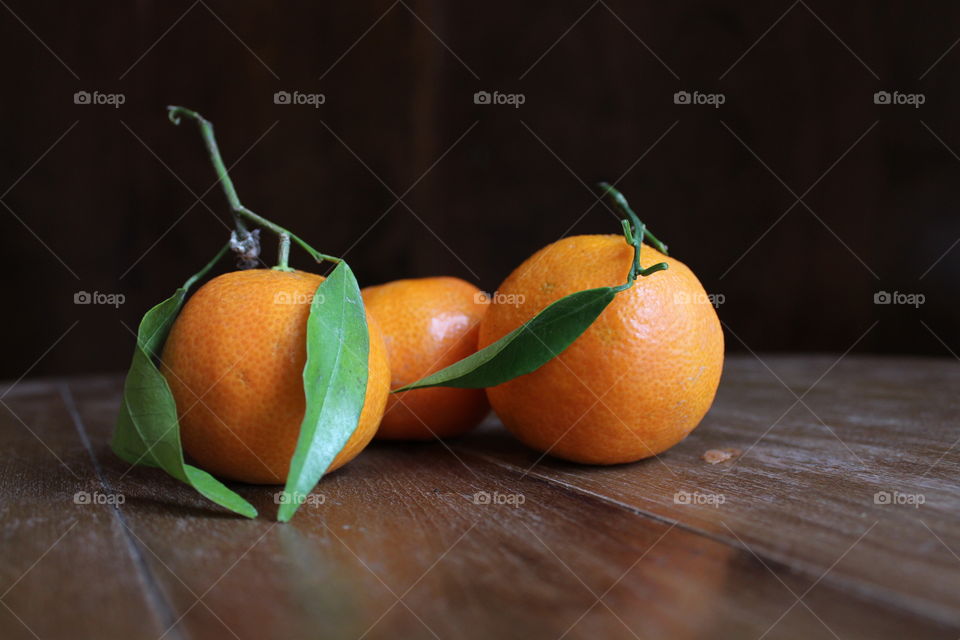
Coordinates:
<point>148,431</point>
<point>334,381</point>
<point>526,348</point>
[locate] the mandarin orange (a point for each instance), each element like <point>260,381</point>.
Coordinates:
<point>632,385</point>
<point>428,324</point>
<point>234,362</point>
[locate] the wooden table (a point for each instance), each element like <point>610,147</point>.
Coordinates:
<point>841,518</point>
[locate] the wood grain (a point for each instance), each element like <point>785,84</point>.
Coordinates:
<point>68,569</point>
<point>806,486</point>
<point>396,544</point>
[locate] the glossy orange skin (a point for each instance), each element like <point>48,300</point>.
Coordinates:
<point>636,382</point>
<point>428,324</point>
<point>234,362</point>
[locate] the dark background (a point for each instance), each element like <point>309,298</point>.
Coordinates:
<point>104,199</point>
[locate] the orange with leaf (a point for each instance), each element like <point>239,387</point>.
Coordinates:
<point>263,376</point>
<point>234,361</point>
<point>636,382</point>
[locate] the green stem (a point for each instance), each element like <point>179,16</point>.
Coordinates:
<point>624,206</point>
<point>223,177</point>
<point>635,232</point>
<point>283,253</point>
<point>223,250</point>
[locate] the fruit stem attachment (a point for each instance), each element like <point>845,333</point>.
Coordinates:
<point>283,253</point>
<point>175,114</point>
<point>635,232</point>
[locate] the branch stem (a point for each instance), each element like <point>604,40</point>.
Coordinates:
<point>635,232</point>
<point>223,178</point>
<point>223,250</point>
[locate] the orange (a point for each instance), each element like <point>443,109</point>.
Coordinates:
<point>636,382</point>
<point>234,362</point>
<point>428,324</point>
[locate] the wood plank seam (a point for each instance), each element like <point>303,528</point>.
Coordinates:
<point>154,595</point>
